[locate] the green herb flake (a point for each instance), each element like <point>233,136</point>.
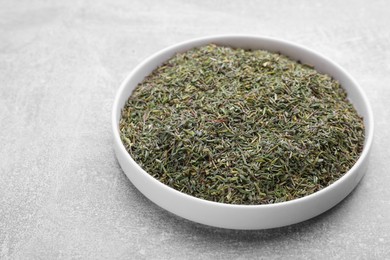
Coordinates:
<point>241,127</point>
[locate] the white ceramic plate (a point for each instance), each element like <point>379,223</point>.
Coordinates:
<point>244,216</point>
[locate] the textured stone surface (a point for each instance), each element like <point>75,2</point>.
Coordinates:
<point>62,192</point>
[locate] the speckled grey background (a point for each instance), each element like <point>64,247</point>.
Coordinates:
<point>62,192</point>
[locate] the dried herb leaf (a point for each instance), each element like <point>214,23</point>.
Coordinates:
<point>241,127</point>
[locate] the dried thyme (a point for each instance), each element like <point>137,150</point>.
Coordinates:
<point>241,127</point>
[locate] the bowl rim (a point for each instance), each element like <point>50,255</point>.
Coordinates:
<point>368,120</point>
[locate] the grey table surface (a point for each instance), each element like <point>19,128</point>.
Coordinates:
<point>62,192</point>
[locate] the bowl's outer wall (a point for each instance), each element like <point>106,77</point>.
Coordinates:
<point>243,216</point>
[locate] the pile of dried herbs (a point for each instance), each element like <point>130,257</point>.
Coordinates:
<point>241,127</point>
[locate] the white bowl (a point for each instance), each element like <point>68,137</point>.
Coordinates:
<point>244,216</point>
